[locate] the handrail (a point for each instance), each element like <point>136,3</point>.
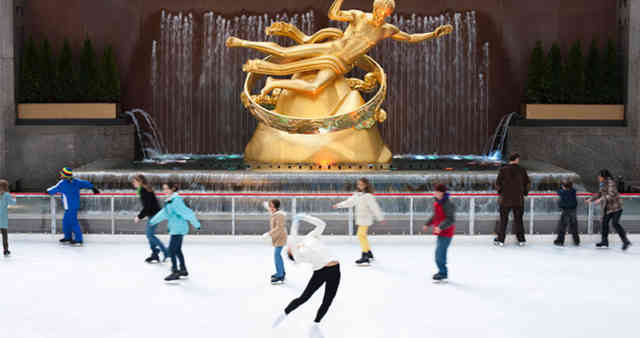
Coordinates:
<point>266,194</point>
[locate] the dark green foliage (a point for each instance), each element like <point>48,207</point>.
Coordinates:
<point>593,76</point>
<point>47,72</point>
<point>575,76</point>
<point>556,76</point>
<point>537,84</point>
<point>66,90</point>
<point>110,84</point>
<point>88,74</point>
<point>30,81</point>
<point>612,91</point>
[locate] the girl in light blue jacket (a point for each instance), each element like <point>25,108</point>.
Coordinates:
<point>178,216</point>
<point>5,201</point>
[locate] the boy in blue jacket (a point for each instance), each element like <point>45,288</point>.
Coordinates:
<point>568,203</point>
<point>70,188</point>
<point>178,216</point>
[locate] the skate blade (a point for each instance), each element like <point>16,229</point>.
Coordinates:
<point>364,265</point>
<point>444,281</point>
<point>277,283</point>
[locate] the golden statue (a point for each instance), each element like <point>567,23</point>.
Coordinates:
<point>319,115</point>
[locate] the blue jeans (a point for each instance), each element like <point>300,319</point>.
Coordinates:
<point>279,263</point>
<point>175,251</point>
<point>70,225</point>
<point>154,242</point>
<point>441,254</point>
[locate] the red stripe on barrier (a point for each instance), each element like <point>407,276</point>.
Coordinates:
<point>307,194</point>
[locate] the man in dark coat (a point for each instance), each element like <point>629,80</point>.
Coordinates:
<point>513,185</point>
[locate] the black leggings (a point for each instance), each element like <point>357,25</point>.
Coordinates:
<point>329,275</point>
<point>5,241</point>
<point>615,218</point>
<point>175,251</point>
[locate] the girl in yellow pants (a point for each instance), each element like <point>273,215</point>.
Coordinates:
<point>366,210</point>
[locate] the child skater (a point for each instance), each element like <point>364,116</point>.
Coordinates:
<point>444,215</point>
<point>326,269</point>
<point>70,188</point>
<point>278,233</point>
<point>366,210</point>
<point>568,203</point>
<point>179,216</point>
<point>5,201</point>
<point>150,207</point>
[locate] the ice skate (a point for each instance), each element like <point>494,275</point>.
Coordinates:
<point>364,261</point>
<point>174,276</point>
<point>439,278</point>
<point>183,273</point>
<point>626,245</point>
<point>7,253</point>
<point>65,241</point>
<point>279,320</point>
<point>558,243</point>
<point>75,243</point>
<point>370,254</point>
<point>153,258</point>
<point>602,245</point>
<point>498,243</point>
<point>277,280</point>
<point>522,243</point>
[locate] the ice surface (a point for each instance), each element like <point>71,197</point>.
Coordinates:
<point>104,289</point>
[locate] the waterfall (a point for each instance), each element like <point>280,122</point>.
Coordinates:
<point>149,137</point>
<point>438,100</point>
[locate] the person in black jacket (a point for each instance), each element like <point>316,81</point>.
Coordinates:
<point>150,207</point>
<point>568,203</point>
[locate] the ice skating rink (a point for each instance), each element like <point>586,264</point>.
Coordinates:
<point>104,289</point>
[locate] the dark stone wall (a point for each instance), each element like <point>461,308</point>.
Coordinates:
<point>37,153</point>
<point>584,150</point>
<point>511,26</point>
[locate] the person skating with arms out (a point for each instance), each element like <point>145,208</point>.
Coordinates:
<point>444,216</point>
<point>178,216</point>
<point>70,188</point>
<point>278,233</point>
<point>326,269</point>
<point>366,209</point>
<point>611,202</point>
<point>150,207</point>
<point>5,201</point>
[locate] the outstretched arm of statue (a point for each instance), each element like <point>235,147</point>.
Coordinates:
<point>337,14</point>
<point>292,32</point>
<point>414,38</point>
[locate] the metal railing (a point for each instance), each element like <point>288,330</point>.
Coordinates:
<point>467,212</point>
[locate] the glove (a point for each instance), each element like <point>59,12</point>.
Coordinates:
<point>96,191</point>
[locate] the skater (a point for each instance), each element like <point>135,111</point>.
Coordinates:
<point>5,201</point>
<point>179,216</point>
<point>326,269</point>
<point>513,185</point>
<point>70,188</point>
<point>366,210</point>
<point>444,216</point>
<point>278,233</point>
<point>150,207</point>
<point>609,197</point>
<point>568,203</point>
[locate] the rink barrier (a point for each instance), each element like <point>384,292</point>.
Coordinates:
<point>531,198</point>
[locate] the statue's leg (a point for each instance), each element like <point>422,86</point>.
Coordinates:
<point>322,79</point>
<point>272,48</point>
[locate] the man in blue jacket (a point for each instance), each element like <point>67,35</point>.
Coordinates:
<point>70,187</point>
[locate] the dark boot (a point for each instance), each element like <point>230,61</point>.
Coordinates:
<point>626,245</point>
<point>498,242</point>
<point>558,242</point>
<point>183,272</point>
<point>153,258</point>
<point>173,276</point>
<point>364,259</point>
<point>7,253</point>
<point>65,240</point>
<point>576,239</point>
<point>602,244</point>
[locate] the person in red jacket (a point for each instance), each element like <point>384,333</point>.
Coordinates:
<point>444,212</point>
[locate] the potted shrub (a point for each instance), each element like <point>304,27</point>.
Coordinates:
<point>579,89</point>
<point>86,88</point>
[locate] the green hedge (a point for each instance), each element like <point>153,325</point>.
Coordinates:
<point>594,79</point>
<point>47,78</point>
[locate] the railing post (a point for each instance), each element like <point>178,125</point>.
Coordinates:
<point>350,224</point>
<point>472,216</point>
<point>293,206</point>
<point>52,208</point>
<point>233,216</point>
<point>411,216</point>
<point>113,215</point>
<point>590,219</point>
<point>531,215</point>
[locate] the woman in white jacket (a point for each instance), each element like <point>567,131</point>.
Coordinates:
<point>326,269</point>
<point>366,210</point>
